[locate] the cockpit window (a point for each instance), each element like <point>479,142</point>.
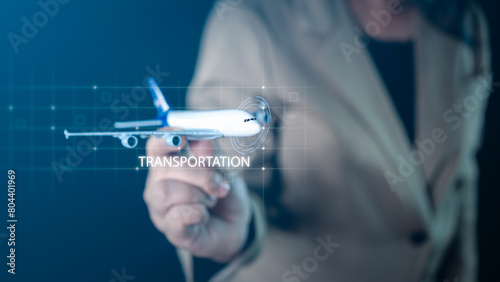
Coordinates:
<point>249,119</point>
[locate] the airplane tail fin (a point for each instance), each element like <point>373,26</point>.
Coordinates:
<point>158,98</point>
<point>161,106</point>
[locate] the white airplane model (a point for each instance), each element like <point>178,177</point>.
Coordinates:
<point>197,125</point>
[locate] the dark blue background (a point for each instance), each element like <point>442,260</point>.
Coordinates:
<point>94,220</point>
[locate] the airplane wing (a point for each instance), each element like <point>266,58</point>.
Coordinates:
<point>172,138</point>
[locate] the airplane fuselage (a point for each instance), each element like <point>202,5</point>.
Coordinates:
<point>230,123</point>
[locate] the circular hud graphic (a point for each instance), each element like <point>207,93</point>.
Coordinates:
<point>260,108</point>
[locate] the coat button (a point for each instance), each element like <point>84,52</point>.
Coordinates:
<point>459,183</point>
<point>417,238</point>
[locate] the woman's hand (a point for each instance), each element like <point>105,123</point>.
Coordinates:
<point>195,207</point>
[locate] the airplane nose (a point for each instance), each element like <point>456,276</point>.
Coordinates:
<point>256,127</point>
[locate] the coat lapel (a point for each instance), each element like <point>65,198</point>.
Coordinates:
<point>439,86</point>
<point>357,84</point>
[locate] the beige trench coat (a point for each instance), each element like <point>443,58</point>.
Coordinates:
<point>367,205</point>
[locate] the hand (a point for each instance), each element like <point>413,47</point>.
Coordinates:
<point>196,208</point>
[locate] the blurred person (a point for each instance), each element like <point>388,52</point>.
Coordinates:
<point>370,174</point>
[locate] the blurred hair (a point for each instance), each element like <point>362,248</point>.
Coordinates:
<point>449,16</point>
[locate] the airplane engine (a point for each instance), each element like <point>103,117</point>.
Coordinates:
<point>129,141</point>
<point>173,140</point>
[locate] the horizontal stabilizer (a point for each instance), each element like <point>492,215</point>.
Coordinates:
<point>138,123</point>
